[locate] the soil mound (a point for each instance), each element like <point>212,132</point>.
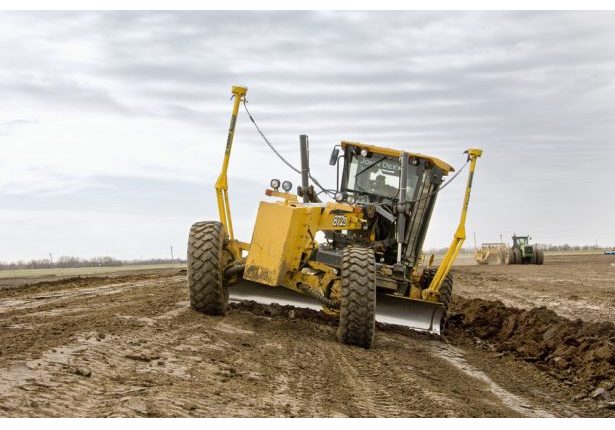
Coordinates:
<point>579,352</point>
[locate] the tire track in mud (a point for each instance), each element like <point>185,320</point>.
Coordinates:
<point>54,297</point>
<point>456,357</point>
<point>424,386</point>
<point>110,366</point>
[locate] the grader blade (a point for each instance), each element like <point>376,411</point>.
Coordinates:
<point>266,295</point>
<point>415,314</point>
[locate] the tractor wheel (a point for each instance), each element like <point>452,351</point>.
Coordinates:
<point>207,258</point>
<point>510,257</point>
<point>358,298</point>
<point>504,257</point>
<point>517,254</point>
<point>446,292</point>
<point>533,257</point>
<point>540,256</point>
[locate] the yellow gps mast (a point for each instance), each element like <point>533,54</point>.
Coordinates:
<point>433,292</point>
<point>224,208</point>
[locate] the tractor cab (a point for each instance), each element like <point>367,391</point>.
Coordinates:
<point>519,241</point>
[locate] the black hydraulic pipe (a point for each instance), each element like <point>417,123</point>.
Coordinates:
<point>305,166</point>
<point>315,294</point>
<point>402,212</point>
<point>236,269</point>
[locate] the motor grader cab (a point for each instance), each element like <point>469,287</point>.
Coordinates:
<point>367,267</point>
<point>397,190</point>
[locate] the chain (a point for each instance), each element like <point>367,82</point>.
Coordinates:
<point>329,192</point>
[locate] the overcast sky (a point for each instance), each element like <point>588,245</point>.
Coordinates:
<point>113,124</point>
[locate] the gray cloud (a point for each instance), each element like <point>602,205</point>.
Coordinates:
<point>536,90</point>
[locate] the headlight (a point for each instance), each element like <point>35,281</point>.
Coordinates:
<point>364,152</point>
<point>275,184</point>
<point>351,200</point>
<point>339,197</point>
<point>287,185</point>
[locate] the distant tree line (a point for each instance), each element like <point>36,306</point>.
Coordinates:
<point>440,251</point>
<point>543,246</point>
<point>72,262</point>
<point>566,247</point>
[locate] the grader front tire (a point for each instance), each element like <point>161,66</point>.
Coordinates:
<point>358,298</point>
<point>207,259</point>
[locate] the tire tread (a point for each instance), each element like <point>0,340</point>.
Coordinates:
<point>206,263</point>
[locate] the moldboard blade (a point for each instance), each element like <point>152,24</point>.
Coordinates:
<point>264,294</point>
<point>418,315</point>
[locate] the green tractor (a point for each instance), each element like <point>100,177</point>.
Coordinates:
<point>524,253</point>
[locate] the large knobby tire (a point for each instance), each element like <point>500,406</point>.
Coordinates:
<point>540,256</point>
<point>358,298</point>
<point>510,257</point>
<point>533,257</point>
<point>518,259</point>
<point>503,253</point>
<point>446,292</point>
<point>207,259</point>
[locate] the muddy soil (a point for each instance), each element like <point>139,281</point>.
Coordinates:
<point>131,346</point>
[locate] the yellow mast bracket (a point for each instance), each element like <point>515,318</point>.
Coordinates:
<point>432,293</point>
<point>224,209</point>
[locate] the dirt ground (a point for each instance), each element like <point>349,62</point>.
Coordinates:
<point>129,345</point>
<point>574,286</point>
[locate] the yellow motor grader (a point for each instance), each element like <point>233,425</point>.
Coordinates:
<point>365,269</point>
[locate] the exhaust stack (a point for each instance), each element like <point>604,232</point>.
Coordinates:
<point>304,150</point>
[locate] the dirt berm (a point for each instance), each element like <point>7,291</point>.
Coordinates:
<point>578,352</point>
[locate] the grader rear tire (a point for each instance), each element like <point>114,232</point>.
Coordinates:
<point>446,292</point>
<point>358,298</point>
<point>207,259</point>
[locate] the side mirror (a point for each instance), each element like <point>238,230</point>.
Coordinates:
<point>334,154</point>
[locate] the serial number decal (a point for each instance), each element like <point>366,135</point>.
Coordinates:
<point>340,220</point>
